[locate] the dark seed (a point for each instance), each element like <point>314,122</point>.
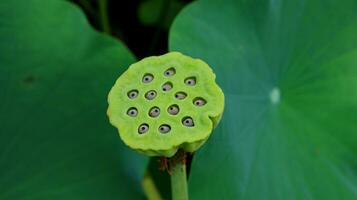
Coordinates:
<point>150,95</point>
<point>143,128</point>
<point>148,78</point>
<point>132,112</point>
<point>133,94</point>
<point>170,72</point>
<point>188,121</point>
<point>180,95</point>
<point>199,101</point>
<point>173,109</point>
<point>164,128</point>
<point>154,112</point>
<point>191,81</point>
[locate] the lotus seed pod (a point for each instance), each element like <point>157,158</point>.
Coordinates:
<point>165,103</point>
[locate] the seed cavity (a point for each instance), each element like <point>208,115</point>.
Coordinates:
<point>180,95</point>
<point>170,72</point>
<point>190,81</point>
<point>147,78</point>
<point>199,101</point>
<point>150,95</point>
<point>132,112</point>
<point>167,86</point>
<point>154,112</point>
<point>132,94</point>
<point>164,128</point>
<point>143,128</point>
<point>188,121</point>
<point>173,109</point>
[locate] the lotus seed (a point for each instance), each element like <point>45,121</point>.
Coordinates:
<point>173,109</point>
<point>167,86</point>
<point>170,72</point>
<point>143,128</point>
<point>148,78</point>
<point>188,121</point>
<point>199,101</point>
<point>180,95</point>
<point>132,112</point>
<point>164,128</point>
<point>190,81</point>
<point>150,95</point>
<point>133,94</point>
<point>154,112</point>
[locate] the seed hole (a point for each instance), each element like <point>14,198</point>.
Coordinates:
<point>170,72</point>
<point>164,128</point>
<point>190,81</point>
<point>143,128</point>
<point>132,112</point>
<point>150,95</point>
<point>180,95</point>
<point>132,94</point>
<point>173,109</point>
<point>167,86</point>
<point>147,78</point>
<point>154,112</point>
<point>188,121</point>
<point>199,101</point>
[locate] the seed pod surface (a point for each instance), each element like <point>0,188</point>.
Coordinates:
<point>163,103</point>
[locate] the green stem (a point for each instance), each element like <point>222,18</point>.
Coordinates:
<point>87,6</point>
<point>103,14</point>
<point>160,26</point>
<point>150,189</point>
<point>178,178</point>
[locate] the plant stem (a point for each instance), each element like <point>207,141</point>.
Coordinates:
<point>103,15</point>
<point>88,7</point>
<point>178,177</point>
<point>159,27</point>
<point>149,187</point>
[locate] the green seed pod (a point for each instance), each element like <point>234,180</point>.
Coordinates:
<point>165,103</point>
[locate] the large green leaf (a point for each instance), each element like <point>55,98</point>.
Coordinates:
<point>55,139</point>
<point>289,72</point>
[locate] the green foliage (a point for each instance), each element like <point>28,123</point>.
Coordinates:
<point>55,139</point>
<point>289,73</point>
